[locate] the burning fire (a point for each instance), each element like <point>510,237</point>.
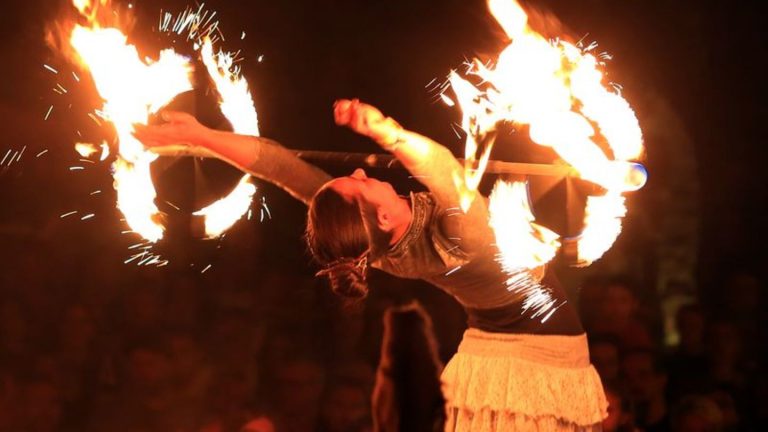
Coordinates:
<point>133,89</point>
<point>556,89</point>
<point>222,214</point>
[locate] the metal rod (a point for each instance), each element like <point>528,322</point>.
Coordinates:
<point>379,160</point>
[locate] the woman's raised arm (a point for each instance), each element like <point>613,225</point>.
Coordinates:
<point>260,157</point>
<point>429,162</point>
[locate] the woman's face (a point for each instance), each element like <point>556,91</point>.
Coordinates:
<point>358,187</point>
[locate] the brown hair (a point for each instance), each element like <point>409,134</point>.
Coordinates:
<point>337,239</point>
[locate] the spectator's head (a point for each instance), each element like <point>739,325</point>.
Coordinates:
<point>696,414</point>
<point>742,294</point>
<point>40,406</point>
<point>142,308</point>
<point>619,411</point>
<point>298,386</point>
<point>186,355</point>
<point>345,406</point>
<point>724,341</point>
<point>13,328</point>
<point>148,367</point>
<point>645,375</point>
<point>723,397</point>
<point>604,354</point>
<point>77,328</point>
<point>617,306</point>
<point>233,389</point>
<point>690,324</point>
<point>259,424</point>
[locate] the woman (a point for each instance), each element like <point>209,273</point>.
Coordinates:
<point>512,372</point>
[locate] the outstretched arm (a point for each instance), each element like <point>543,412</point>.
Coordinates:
<point>429,162</point>
<point>260,157</point>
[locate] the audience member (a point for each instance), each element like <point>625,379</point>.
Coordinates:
<point>646,381</point>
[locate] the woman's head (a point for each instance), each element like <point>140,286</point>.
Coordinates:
<point>335,230</point>
<point>337,235</point>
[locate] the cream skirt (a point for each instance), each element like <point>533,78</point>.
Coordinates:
<point>522,382</point>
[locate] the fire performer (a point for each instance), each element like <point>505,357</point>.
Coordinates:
<point>514,370</point>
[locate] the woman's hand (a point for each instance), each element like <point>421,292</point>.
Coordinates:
<point>181,135</point>
<point>367,120</point>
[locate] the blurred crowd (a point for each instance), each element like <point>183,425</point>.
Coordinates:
<point>121,348</point>
<point>711,377</point>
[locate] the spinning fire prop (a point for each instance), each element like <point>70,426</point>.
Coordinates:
<point>557,90</point>
<point>133,89</point>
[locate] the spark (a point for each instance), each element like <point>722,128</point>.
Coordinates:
<point>266,207</point>
<point>206,269</point>
<point>76,168</point>
<point>61,88</point>
<point>96,192</point>
<point>88,216</point>
<point>42,153</point>
<point>47,114</point>
<point>22,152</point>
<point>260,58</point>
<point>431,82</point>
<point>132,258</point>
<point>10,161</point>
<point>453,270</point>
<point>67,214</point>
<point>455,131</point>
<point>50,68</point>
<point>77,78</point>
<point>95,119</point>
<point>6,155</point>
<point>172,205</point>
<point>448,101</point>
<point>242,36</point>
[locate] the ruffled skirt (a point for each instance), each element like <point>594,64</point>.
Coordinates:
<point>521,382</point>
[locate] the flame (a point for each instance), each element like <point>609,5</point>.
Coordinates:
<point>220,215</point>
<point>132,89</point>
<point>237,106</point>
<point>236,102</point>
<point>527,245</point>
<point>602,225</point>
<point>85,149</point>
<point>556,89</point>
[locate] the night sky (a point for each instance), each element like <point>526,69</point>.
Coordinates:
<point>704,60</point>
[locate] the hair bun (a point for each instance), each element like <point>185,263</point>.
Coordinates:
<point>348,276</point>
<point>349,283</point>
